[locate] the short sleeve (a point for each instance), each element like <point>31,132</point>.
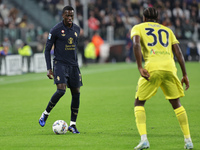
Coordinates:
<point>134,31</point>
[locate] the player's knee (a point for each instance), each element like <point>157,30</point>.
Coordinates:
<point>139,102</point>
<point>75,91</point>
<point>76,95</point>
<point>60,92</point>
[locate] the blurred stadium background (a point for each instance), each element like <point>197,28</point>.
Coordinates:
<point>29,21</point>
<point>106,118</point>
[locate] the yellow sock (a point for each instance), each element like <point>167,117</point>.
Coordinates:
<point>140,118</point>
<point>183,121</point>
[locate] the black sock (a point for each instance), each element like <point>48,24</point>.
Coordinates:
<point>75,106</point>
<point>54,99</point>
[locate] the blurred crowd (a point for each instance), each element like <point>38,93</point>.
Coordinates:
<point>9,17</point>
<point>15,24</point>
<point>182,16</point>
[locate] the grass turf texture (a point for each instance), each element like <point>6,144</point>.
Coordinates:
<point>106,119</point>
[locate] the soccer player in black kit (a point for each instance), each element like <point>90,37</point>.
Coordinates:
<point>66,73</point>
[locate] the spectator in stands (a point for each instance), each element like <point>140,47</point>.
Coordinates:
<point>177,11</point>
<point>100,4</point>
<point>178,28</point>
<point>186,12</point>
<point>194,7</point>
<point>1,49</point>
<point>188,29</point>
<point>167,22</point>
<point>4,11</point>
<point>81,46</point>
<point>6,45</point>
<point>79,10</point>
<point>120,30</point>
<point>1,23</point>
<point>192,53</point>
<point>59,7</point>
<point>89,52</point>
<point>13,14</point>
<point>129,48</point>
<point>97,41</point>
<point>5,50</point>
<point>93,23</point>
<point>166,12</point>
<point>159,5</point>
<point>193,17</point>
<point>23,22</point>
<point>52,6</point>
<point>103,24</point>
<point>26,52</point>
<point>41,42</point>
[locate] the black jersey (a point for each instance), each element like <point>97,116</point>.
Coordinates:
<point>65,42</point>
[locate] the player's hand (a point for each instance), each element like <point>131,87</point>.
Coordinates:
<point>186,81</point>
<point>144,73</point>
<point>50,74</point>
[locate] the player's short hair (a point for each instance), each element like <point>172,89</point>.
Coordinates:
<point>67,8</point>
<point>150,13</point>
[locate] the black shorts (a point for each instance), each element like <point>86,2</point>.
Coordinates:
<point>70,75</point>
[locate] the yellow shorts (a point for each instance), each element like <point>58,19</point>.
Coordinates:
<point>168,81</point>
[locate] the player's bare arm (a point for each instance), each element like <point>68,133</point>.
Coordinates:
<point>177,51</point>
<point>50,74</point>
<point>138,55</point>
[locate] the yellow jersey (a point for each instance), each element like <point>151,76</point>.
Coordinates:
<point>156,45</point>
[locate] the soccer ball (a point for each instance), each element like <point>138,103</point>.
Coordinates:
<point>60,127</point>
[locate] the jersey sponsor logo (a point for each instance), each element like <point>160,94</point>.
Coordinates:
<point>162,52</point>
<point>152,52</point>
<point>159,52</point>
<point>69,47</point>
<point>49,36</point>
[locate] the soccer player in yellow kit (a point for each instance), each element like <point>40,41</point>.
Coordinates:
<point>156,43</point>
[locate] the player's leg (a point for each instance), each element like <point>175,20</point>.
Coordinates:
<point>75,92</point>
<point>146,89</point>
<point>183,121</point>
<point>61,88</point>
<point>61,81</point>
<point>140,118</point>
<point>173,90</point>
<point>75,82</point>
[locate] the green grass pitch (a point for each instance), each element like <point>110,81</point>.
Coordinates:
<point>106,117</point>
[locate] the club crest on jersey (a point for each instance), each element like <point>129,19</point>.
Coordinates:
<point>63,31</point>
<point>70,40</point>
<point>75,34</point>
